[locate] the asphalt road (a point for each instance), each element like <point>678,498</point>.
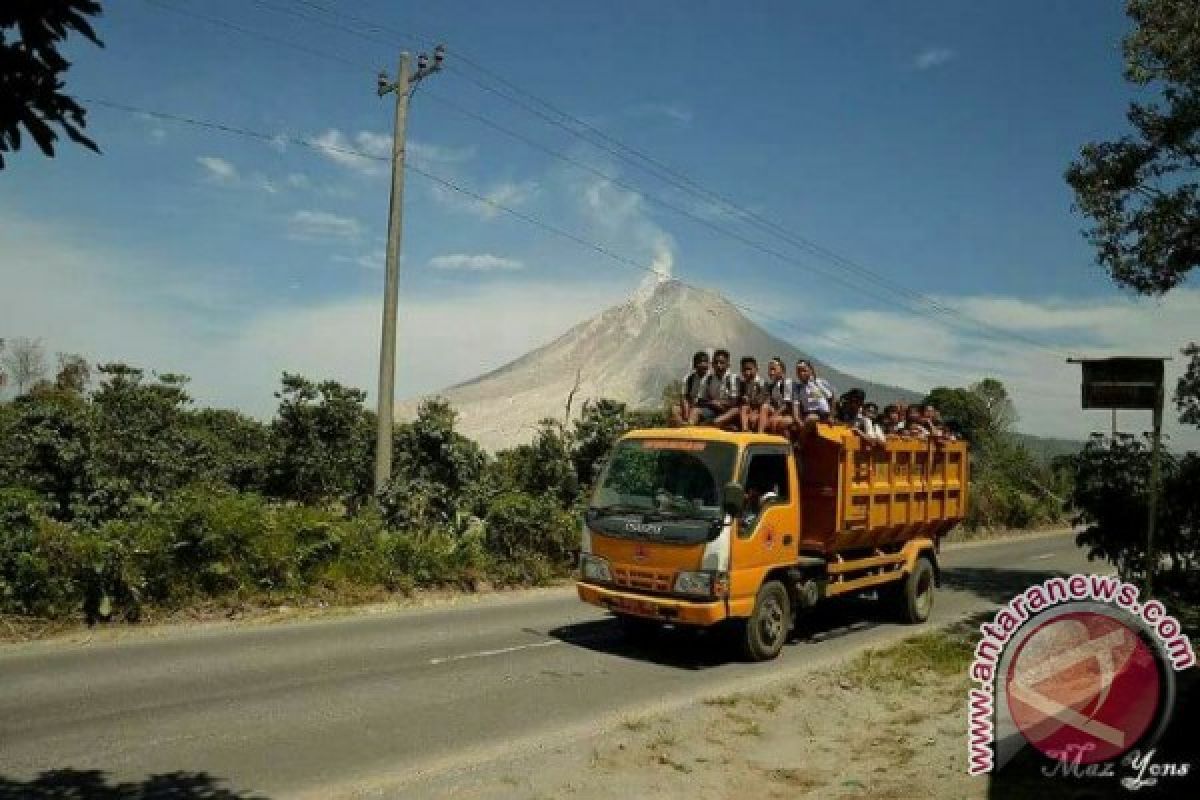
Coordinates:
<point>359,705</point>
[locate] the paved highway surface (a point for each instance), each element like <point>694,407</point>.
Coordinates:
<point>350,706</point>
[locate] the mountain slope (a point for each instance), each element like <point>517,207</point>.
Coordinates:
<point>629,352</point>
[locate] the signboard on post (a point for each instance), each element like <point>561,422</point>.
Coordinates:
<point>1130,383</point>
<point>1120,383</point>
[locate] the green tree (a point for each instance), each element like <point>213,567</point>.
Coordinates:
<point>232,448</point>
<point>141,446</point>
<point>323,443</point>
<point>964,411</point>
<point>31,72</point>
<point>46,446</point>
<point>74,373</point>
<point>1187,390</point>
<point>1140,191</point>
<point>436,473</point>
<point>542,467</point>
<point>595,431</point>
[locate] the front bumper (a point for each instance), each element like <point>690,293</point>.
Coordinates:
<point>664,609</point>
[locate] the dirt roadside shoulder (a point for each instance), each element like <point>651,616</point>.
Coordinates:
<point>885,723</point>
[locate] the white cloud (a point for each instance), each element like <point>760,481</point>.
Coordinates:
<point>105,315</point>
<point>218,170</point>
<point>510,194</point>
<point>224,173</point>
<point>157,135</point>
<point>426,154</point>
<point>373,260</point>
<point>297,180</point>
<point>263,183</point>
<point>671,111</point>
<point>316,225</point>
<point>932,57</point>
<point>365,154</point>
<point>923,352</point>
<point>370,152</point>
<point>475,262</point>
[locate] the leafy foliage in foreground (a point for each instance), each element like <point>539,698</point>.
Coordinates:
<point>126,497</point>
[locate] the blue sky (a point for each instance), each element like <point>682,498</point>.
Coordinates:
<point>924,140</point>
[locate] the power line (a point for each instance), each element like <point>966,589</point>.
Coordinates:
<point>867,289</point>
<point>254,33</point>
<point>607,252</point>
<point>224,23</point>
<point>662,171</point>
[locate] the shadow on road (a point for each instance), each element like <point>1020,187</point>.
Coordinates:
<point>72,784</point>
<point>690,649</point>
<point>997,585</point>
<point>834,619</point>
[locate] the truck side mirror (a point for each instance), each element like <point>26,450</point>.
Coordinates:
<point>733,498</point>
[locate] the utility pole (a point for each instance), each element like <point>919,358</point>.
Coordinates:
<point>403,87</point>
<point>1151,522</point>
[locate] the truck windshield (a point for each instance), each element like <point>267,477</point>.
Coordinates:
<point>666,478</point>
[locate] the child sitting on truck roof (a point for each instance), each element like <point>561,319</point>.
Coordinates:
<point>850,412</point>
<point>914,425</point>
<point>813,395</point>
<point>780,399</point>
<point>753,397</point>
<point>691,392</point>
<point>720,392</point>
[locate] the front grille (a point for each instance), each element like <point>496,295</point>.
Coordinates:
<point>649,580</point>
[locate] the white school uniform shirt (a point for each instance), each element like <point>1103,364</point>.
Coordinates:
<point>693,386</point>
<point>814,396</point>
<point>783,393</point>
<point>723,389</point>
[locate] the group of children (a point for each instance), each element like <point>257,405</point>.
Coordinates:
<point>713,394</point>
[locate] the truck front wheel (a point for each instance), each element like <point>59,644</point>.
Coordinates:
<point>770,624</point>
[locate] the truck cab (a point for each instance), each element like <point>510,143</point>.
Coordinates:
<point>698,526</point>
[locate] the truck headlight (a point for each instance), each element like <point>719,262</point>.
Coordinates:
<point>700,583</point>
<point>594,569</point>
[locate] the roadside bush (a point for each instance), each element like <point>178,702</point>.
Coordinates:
<point>521,527</point>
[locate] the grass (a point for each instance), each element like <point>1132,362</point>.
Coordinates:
<point>726,701</point>
<point>636,725</point>
<point>913,661</point>
<point>744,725</point>
<point>766,702</point>
<point>663,738</point>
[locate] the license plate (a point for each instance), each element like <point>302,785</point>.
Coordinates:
<point>633,606</point>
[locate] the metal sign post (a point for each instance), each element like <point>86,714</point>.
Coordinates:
<point>1133,383</point>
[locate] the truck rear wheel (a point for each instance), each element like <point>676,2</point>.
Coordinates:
<point>770,624</point>
<point>912,598</point>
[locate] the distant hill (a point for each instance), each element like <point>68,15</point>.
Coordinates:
<point>629,352</point>
<point>1046,449</point>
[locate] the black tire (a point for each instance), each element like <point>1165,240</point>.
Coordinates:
<point>770,624</point>
<point>638,629</point>
<point>912,598</point>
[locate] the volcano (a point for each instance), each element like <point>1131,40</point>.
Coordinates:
<point>629,352</point>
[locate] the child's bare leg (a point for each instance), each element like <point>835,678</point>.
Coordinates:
<point>727,418</point>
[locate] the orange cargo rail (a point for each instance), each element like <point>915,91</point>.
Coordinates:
<point>906,490</point>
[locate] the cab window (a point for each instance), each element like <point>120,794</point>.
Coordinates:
<point>766,482</point>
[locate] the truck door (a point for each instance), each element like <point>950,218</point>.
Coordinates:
<point>766,534</point>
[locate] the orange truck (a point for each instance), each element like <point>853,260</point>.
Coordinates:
<point>701,527</point>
